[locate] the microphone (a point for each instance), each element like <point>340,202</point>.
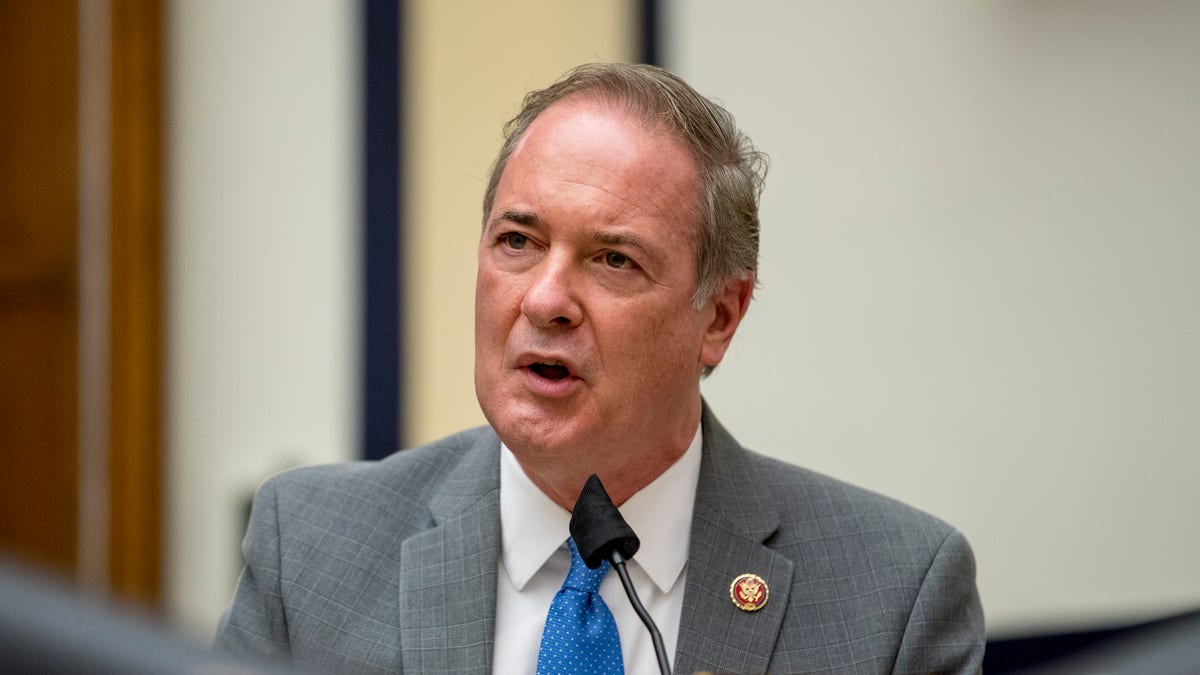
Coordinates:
<point>601,533</point>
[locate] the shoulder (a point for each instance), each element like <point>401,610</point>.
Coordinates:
<point>894,579</point>
<point>801,509</point>
<point>902,576</point>
<point>903,579</point>
<point>395,489</point>
<point>808,498</point>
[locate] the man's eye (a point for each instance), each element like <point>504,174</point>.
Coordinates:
<point>614,259</point>
<point>514,239</point>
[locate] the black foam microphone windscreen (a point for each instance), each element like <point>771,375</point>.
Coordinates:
<point>598,527</point>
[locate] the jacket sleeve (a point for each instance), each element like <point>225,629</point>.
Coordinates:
<point>945,632</point>
<point>255,623</point>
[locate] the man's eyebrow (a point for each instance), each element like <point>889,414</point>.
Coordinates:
<point>527,218</point>
<point>627,239</point>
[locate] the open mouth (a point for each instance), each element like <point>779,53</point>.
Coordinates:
<point>551,371</point>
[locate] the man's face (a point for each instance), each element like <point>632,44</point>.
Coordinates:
<point>586,338</point>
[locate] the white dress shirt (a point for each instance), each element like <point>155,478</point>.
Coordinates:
<point>534,561</point>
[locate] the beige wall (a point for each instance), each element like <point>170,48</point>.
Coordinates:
<point>468,65</point>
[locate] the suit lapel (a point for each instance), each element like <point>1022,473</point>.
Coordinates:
<point>729,525</point>
<point>448,572</point>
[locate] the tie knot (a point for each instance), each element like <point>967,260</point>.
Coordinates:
<point>580,635</point>
<point>581,577</point>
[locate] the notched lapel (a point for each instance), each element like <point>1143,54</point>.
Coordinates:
<point>730,524</point>
<point>448,574</point>
<point>448,596</point>
<point>714,634</point>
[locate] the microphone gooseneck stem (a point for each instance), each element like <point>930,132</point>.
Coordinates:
<point>660,650</point>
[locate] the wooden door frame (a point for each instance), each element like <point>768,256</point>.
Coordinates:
<point>135,438</point>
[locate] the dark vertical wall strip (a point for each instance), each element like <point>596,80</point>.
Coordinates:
<point>382,400</point>
<point>648,35</point>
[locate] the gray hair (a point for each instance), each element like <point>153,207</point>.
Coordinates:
<point>731,169</point>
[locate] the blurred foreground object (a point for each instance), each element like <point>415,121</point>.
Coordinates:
<point>46,629</point>
<point>1169,647</point>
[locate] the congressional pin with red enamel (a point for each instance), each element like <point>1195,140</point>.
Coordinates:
<point>749,592</point>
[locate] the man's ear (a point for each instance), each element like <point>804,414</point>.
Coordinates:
<point>729,305</point>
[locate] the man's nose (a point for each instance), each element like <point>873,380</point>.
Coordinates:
<point>550,301</point>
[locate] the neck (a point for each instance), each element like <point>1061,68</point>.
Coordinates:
<point>624,471</point>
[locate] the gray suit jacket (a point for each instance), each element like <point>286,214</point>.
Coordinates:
<point>391,567</point>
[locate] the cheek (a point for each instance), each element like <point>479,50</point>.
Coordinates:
<point>497,305</point>
<point>661,344</point>
<point>485,310</point>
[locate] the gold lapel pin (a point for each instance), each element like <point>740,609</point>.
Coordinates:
<point>749,592</point>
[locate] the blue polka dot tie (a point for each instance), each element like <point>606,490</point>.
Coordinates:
<point>580,634</point>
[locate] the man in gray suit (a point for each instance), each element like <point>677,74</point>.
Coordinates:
<point>618,256</point>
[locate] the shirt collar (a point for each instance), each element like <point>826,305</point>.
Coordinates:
<point>533,527</point>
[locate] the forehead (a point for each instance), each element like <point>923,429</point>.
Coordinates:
<point>583,143</point>
<point>594,110</point>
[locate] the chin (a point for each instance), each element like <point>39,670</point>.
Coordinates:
<point>526,427</point>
